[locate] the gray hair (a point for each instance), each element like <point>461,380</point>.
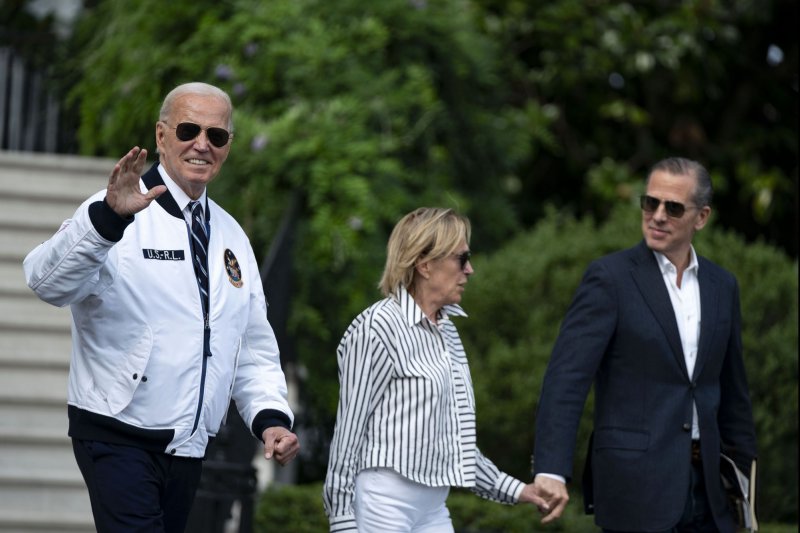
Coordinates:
<point>680,166</point>
<point>199,88</point>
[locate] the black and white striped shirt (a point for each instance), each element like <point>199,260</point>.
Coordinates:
<point>406,403</point>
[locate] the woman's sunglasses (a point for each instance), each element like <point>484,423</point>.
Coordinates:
<point>674,209</point>
<point>187,131</point>
<point>463,258</point>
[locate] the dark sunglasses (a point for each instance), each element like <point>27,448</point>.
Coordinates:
<point>463,258</point>
<point>674,209</point>
<point>187,131</point>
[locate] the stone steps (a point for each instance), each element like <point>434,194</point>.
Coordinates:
<point>37,502</point>
<point>41,489</point>
<point>18,347</point>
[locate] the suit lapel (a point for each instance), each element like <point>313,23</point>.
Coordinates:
<point>709,309</point>
<point>647,276</point>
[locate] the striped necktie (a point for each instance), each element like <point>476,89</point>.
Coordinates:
<point>200,254</point>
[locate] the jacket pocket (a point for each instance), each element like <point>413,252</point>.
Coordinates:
<point>129,374</point>
<point>621,439</point>
<point>237,349</point>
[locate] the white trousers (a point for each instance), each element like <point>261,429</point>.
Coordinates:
<point>387,502</point>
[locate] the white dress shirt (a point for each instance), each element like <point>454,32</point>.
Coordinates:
<point>181,198</point>
<point>686,304</point>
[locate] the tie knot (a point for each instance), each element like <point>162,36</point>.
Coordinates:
<point>196,209</point>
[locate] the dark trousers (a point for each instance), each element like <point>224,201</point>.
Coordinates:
<point>696,517</point>
<point>137,491</point>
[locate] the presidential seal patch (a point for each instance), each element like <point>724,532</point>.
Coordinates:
<point>233,269</point>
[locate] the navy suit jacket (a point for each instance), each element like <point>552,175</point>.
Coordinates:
<point>620,334</point>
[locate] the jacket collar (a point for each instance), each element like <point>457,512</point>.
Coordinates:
<point>152,178</point>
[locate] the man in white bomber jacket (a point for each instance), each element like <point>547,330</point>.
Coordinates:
<point>153,369</point>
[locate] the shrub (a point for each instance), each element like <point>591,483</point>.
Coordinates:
<point>298,509</point>
<point>292,509</point>
<point>516,302</point>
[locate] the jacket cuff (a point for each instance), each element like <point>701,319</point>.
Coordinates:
<point>108,223</point>
<point>268,418</point>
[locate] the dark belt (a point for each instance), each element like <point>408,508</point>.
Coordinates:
<point>696,452</point>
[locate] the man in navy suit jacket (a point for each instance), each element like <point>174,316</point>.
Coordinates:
<point>656,329</point>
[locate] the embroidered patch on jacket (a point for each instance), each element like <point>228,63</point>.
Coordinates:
<point>163,255</point>
<point>233,269</point>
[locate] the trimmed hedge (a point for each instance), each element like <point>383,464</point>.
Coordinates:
<point>298,509</point>
<point>516,301</point>
<point>518,297</point>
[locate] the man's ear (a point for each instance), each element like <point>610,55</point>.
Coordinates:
<point>702,219</point>
<point>161,130</point>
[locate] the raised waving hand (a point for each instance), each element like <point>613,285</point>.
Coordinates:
<point>124,194</point>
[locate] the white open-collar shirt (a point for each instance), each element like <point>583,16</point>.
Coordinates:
<point>181,198</point>
<point>686,304</point>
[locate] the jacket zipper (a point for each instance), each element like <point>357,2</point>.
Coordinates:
<point>206,326</point>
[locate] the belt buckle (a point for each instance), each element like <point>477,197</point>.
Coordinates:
<point>696,451</point>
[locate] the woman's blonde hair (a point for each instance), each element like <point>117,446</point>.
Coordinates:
<point>427,233</point>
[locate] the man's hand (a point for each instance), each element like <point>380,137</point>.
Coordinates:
<point>555,495</point>
<point>124,195</point>
<point>280,443</point>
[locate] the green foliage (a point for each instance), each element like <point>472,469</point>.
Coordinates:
<point>351,113</point>
<point>523,290</point>
<point>519,295</point>
<point>30,38</point>
<point>292,509</point>
<point>354,113</point>
<point>777,528</point>
<point>633,82</point>
<point>298,509</point>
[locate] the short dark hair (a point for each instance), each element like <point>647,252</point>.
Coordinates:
<point>680,166</point>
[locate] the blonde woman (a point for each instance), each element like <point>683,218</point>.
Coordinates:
<point>405,428</point>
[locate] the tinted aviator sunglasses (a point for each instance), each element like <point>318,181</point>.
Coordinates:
<point>674,209</point>
<point>187,131</point>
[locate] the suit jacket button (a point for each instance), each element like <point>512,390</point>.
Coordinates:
<point>687,426</point>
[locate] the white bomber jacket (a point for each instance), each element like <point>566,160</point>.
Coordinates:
<point>138,371</point>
